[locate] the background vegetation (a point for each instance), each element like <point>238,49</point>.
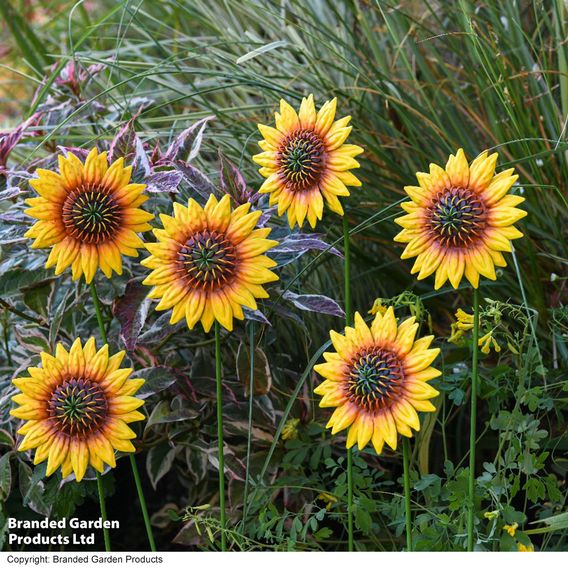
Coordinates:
<point>421,79</point>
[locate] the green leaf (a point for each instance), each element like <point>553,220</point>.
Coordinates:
<point>6,438</point>
<point>37,297</point>
<point>159,461</point>
<point>262,376</point>
<point>164,414</point>
<point>32,493</point>
<point>554,523</point>
<point>157,380</point>
<point>14,280</point>
<point>5,476</point>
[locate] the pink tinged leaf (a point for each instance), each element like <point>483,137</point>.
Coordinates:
<point>131,311</point>
<point>186,145</point>
<point>314,303</point>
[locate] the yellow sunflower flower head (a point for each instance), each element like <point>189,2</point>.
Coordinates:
<point>377,380</point>
<point>77,408</point>
<point>208,263</point>
<point>89,214</point>
<point>460,220</point>
<point>306,161</point>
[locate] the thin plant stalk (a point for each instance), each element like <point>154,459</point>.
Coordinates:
<point>406,476</point>
<point>347,299</point>
<point>219,390</point>
<point>102,504</point>
<point>473,421</point>
<point>133,465</point>
<point>250,410</point>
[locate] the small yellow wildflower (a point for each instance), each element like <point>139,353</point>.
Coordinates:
<point>456,336</point>
<point>523,548</point>
<point>491,514</point>
<point>378,307</point>
<point>488,341</point>
<point>511,529</point>
<point>290,430</point>
<point>328,498</point>
<point>464,320</point>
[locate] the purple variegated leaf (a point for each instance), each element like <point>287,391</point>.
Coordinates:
<point>255,315</point>
<point>163,182</point>
<point>314,303</point>
<point>233,182</point>
<point>96,68</point>
<point>9,193</point>
<point>9,140</point>
<point>197,180</point>
<point>123,145</point>
<point>15,216</point>
<point>265,216</point>
<point>131,311</point>
<point>141,165</point>
<point>186,145</point>
<point>303,242</point>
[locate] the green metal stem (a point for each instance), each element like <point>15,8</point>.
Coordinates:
<point>473,421</point>
<point>102,504</point>
<point>133,464</point>
<point>348,321</point>
<point>218,379</point>
<point>250,410</point>
<point>407,511</point>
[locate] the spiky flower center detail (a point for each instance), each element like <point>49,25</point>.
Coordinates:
<point>302,159</point>
<point>91,214</point>
<point>208,260</point>
<point>78,407</point>
<point>457,217</point>
<point>375,379</point>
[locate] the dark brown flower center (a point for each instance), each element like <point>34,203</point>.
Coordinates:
<point>302,159</point>
<point>457,217</point>
<point>208,259</point>
<point>91,214</point>
<point>375,380</point>
<point>78,407</point>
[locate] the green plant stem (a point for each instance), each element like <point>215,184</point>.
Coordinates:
<point>218,379</point>
<point>7,344</point>
<point>406,474</point>
<point>133,464</point>
<point>473,421</point>
<point>102,504</point>
<point>347,299</point>
<point>143,506</point>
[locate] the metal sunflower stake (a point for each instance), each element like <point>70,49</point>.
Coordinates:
<point>459,222</point>
<point>306,161</point>
<point>377,381</point>
<point>207,264</point>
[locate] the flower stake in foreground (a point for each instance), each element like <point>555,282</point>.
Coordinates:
<point>76,408</point>
<point>306,161</point>
<point>89,214</point>
<point>207,264</point>
<point>377,381</point>
<point>459,222</point>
